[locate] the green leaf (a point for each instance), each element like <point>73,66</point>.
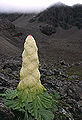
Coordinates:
<point>34,106</point>
<point>38,107</point>
<point>26,116</point>
<point>10,94</point>
<point>39,116</point>
<point>54,107</point>
<point>46,114</point>
<point>46,100</point>
<point>56,95</point>
<point>30,117</point>
<point>30,108</point>
<point>2,95</point>
<point>14,104</point>
<point>22,110</point>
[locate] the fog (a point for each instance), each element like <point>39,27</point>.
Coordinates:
<point>26,6</point>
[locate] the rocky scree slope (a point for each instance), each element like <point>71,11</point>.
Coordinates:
<point>57,76</point>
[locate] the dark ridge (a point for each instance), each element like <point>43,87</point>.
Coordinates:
<point>62,15</point>
<point>11,17</point>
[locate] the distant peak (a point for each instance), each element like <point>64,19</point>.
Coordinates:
<point>59,4</point>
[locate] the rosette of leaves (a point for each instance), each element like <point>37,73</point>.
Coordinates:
<point>39,107</point>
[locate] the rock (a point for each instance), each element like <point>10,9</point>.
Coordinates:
<point>47,29</point>
<point>63,111</point>
<point>63,90</point>
<point>15,73</point>
<point>6,113</point>
<point>33,19</point>
<point>49,73</point>
<point>73,77</point>
<point>56,72</point>
<point>62,62</point>
<point>44,71</point>
<point>72,102</point>
<point>79,103</point>
<point>8,70</point>
<point>64,76</point>
<point>6,24</point>
<point>65,26</point>
<point>3,80</point>
<point>13,65</point>
<point>51,82</point>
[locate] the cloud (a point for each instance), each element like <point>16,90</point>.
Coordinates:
<point>30,5</point>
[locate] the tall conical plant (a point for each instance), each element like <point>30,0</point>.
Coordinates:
<point>30,97</point>
<point>29,73</point>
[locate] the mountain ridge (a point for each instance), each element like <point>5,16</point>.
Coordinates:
<point>65,41</point>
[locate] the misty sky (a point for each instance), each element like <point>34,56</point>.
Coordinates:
<point>31,5</point>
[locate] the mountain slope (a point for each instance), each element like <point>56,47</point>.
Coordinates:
<point>64,44</point>
<point>11,38</point>
<point>62,15</point>
<point>63,39</point>
<point>7,48</point>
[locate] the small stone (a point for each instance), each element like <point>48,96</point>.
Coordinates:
<point>73,77</point>
<point>49,73</point>
<point>62,62</point>
<point>56,72</point>
<point>79,103</point>
<point>15,73</point>
<point>8,70</point>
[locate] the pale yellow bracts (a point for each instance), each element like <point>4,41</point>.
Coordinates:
<point>29,73</point>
